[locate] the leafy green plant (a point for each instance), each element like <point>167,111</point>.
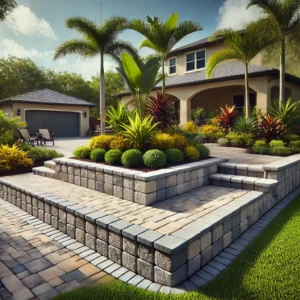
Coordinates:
<point>82,152</point>
<point>174,156</point>
<point>140,133</point>
<point>163,141</point>
<point>191,153</point>
<point>295,144</point>
<point>245,125</point>
<point>223,141</point>
<point>270,128</point>
<point>288,113</point>
<point>154,159</point>
<point>132,158</point>
<point>113,157</point>
<point>97,154</point>
<point>198,113</point>
<point>12,158</point>
<point>162,110</point>
<point>180,141</point>
<point>277,143</point>
<point>102,141</point>
<point>227,117</point>
<point>239,139</point>
<point>280,151</point>
<point>260,147</point>
<point>203,150</point>
<point>291,137</point>
<point>42,154</point>
<point>119,142</point>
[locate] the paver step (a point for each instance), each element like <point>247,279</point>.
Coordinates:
<point>241,169</point>
<point>44,171</point>
<point>50,164</point>
<point>243,182</point>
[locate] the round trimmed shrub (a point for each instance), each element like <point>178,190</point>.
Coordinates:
<point>154,159</point>
<point>191,153</point>
<point>98,154</point>
<point>113,157</point>
<point>82,152</point>
<point>163,141</point>
<point>174,156</point>
<point>203,150</point>
<point>132,158</point>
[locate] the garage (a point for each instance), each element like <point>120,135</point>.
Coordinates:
<point>64,115</point>
<point>63,124</point>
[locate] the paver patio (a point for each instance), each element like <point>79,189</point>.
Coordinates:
<point>37,265</point>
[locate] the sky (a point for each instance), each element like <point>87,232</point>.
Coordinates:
<point>36,27</point>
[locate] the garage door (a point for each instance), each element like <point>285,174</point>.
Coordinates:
<point>63,124</point>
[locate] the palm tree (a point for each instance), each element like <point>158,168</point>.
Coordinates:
<point>163,36</point>
<point>97,40</point>
<point>6,6</point>
<point>282,20</point>
<point>242,46</point>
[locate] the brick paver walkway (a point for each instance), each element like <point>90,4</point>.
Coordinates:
<point>37,262</point>
<point>165,217</point>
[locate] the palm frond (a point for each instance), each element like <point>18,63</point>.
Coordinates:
<point>185,28</point>
<point>117,47</point>
<point>172,21</point>
<point>147,44</point>
<point>75,46</point>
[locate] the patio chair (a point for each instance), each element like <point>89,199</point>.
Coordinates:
<point>45,136</point>
<point>97,130</point>
<point>25,137</point>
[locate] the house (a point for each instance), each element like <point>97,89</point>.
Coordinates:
<point>63,115</point>
<point>188,85</point>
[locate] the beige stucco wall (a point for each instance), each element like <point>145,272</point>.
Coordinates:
<point>84,122</point>
<point>6,108</point>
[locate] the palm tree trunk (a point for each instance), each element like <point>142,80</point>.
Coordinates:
<point>282,74</point>
<point>102,95</point>
<point>246,102</point>
<point>163,73</point>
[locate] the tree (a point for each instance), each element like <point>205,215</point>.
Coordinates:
<point>140,78</point>
<point>282,20</point>
<point>163,36</point>
<point>242,46</point>
<point>6,6</point>
<point>96,40</point>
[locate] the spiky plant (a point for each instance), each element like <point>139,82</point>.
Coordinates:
<point>163,36</point>
<point>97,40</point>
<point>162,110</point>
<point>270,128</point>
<point>227,117</point>
<point>281,21</point>
<point>242,46</point>
<point>245,125</point>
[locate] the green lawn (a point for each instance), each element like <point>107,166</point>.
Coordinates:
<point>269,268</point>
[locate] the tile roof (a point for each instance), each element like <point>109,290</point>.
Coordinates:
<point>47,96</point>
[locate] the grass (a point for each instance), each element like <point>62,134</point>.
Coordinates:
<point>269,268</point>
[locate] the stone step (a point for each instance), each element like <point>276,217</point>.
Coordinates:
<point>44,171</point>
<point>241,169</point>
<point>50,164</point>
<point>243,182</point>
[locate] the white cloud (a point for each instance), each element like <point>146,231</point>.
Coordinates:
<point>23,20</point>
<point>234,14</point>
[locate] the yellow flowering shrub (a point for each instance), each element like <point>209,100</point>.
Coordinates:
<point>190,127</point>
<point>214,121</point>
<point>191,153</point>
<point>180,141</point>
<point>12,158</point>
<point>163,141</point>
<point>101,141</point>
<point>119,142</point>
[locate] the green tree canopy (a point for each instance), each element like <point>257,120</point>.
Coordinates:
<point>6,6</point>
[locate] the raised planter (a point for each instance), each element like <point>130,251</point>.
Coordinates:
<point>145,188</point>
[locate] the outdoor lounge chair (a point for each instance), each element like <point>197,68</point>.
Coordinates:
<point>25,137</point>
<point>45,136</point>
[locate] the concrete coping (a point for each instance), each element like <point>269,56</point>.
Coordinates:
<point>282,163</point>
<point>143,176</point>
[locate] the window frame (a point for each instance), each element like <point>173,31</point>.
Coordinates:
<point>195,60</point>
<point>169,66</point>
<point>238,94</point>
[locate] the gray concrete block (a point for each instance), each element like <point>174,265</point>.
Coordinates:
<point>170,279</point>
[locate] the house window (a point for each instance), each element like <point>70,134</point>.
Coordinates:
<point>239,102</point>
<point>195,60</point>
<point>172,65</point>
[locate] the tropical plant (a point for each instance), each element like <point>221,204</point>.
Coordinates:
<point>288,113</point>
<point>245,125</point>
<point>132,158</point>
<point>227,117</point>
<point>163,36</point>
<point>140,77</point>
<point>198,113</point>
<point>162,110</point>
<point>96,40</point>
<point>6,6</point>
<point>281,21</point>
<point>140,132</point>
<point>154,159</point>
<point>12,158</point>
<point>7,128</point>
<point>270,128</point>
<point>242,46</point>
<point>117,115</point>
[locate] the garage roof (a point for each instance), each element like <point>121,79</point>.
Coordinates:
<point>47,96</point>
